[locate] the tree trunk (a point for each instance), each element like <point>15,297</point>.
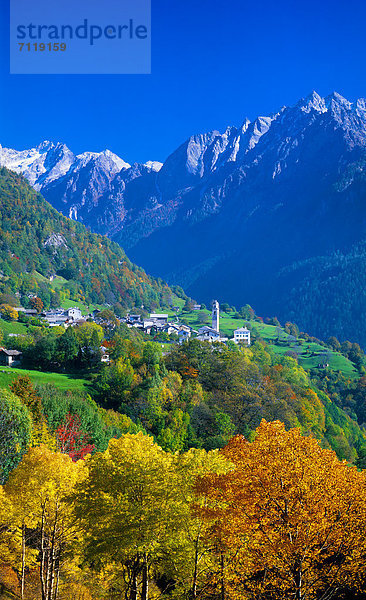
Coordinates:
<point>134,588</point>
<point>145,580</point>
<point>48,570</point>
<point>57,579</point>
<point>222,594</point>
<point>23,562</point>
<point>195,572</point>
<point>53,558</point>
<point>298,582</point>
<point>42,564</point>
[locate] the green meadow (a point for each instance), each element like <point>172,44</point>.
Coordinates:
<point>64,382</point>
<point>310,354</point>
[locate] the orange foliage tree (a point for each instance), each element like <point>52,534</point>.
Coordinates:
<point>36,303</point>
<point>287,521</point>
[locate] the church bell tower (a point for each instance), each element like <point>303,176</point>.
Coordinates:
<point>215,315</point>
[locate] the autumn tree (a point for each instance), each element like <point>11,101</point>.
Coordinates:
<point>24,389</point>
<point>72,440</point>
<point>152,354</point>
<point>190,560</point>
<point>36,303</point>
<point>8,312</point>
<point>37,489</point>
<point>126,507</point>
<point>334,343</point>
<point>247,312</point>
<point>203,318</point>
<point>288,521</point>
<point>107,319</point>
<point>114,381</point>
<point>9,543</point>
<point>89,336</point>
<point>67,346</point>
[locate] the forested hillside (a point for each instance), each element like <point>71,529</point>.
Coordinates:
<point>127,495</point>
<point>37,243</point>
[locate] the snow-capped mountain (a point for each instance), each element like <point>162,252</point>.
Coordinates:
<point>69,181</point>
<point>87,185</point>
<point>246,215</point>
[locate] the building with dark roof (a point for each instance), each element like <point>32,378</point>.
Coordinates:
<point>10,358</point>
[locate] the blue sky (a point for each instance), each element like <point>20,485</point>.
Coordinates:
<point>214,62</point>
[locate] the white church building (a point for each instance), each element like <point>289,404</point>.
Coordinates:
<point>242,335</point>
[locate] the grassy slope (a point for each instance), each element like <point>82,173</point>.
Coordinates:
<point>310,354</point>
<point>12,327</point>
<point>65,382</point>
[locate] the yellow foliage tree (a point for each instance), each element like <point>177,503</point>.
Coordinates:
<point>189,558</point>
<point>126,507</point>
<point>38,488</point>
<point>288,521</point>
<point>8,312</point>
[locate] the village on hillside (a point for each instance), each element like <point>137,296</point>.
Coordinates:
<point>156,323</point>
<point>159,323</point>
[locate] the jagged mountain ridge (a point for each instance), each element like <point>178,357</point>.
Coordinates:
<point>73,183</point>
<point>245,214</point>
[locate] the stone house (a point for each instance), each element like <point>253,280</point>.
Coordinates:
<point>10,358</point>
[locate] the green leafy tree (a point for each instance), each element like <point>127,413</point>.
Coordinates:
<point>152,355</point>
<point>67,346</point>
<point>114,381</point>
<point>15,432</point>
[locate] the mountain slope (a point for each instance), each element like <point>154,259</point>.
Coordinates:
<point>36,239</point>
<point>271,213</point>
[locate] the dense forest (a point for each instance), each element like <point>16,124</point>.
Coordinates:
<point>37,243</point>
<point>199,394</point>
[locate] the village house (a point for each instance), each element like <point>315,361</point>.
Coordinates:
<point>58,316</point>
<point>133,318</point>
<point>10,358</point>
<point>207,334</point>
<point>133,321</point>
<point>185,333</point>
<point>104,355</point>
<point>242,334</point>
<point>170,328</point>
<point>55,317</point>
<point>74,313</point>
<point>159,318</point>
<point>29,312</point>
<point>147,325</point>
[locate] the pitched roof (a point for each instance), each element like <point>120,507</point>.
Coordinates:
<point>207,329</point>
<point>10,352</point>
